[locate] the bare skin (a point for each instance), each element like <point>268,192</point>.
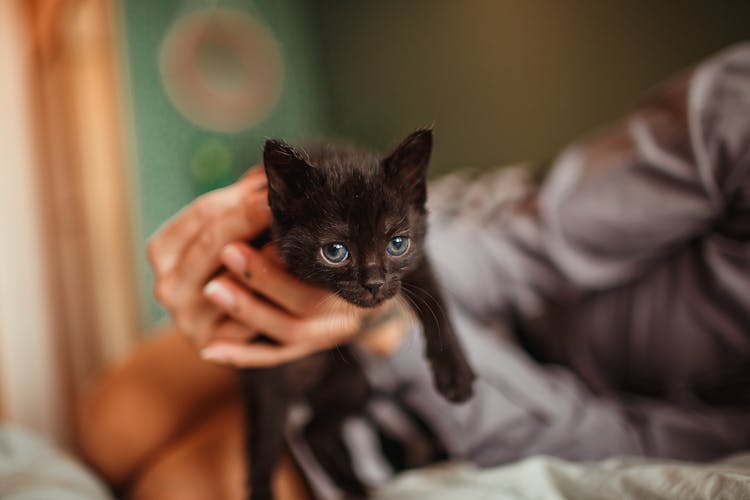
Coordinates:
<point>166,423</point>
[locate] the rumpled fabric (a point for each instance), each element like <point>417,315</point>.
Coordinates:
<point>32,469</point>
<point>625,478</point>
<point>606,311</point>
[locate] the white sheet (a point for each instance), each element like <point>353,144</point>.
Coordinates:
<point>552,479</point>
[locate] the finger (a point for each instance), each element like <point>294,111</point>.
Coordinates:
<point>255,177</point>
<point>318,337</point>
<point>254,312</point>
<point>231,329</point>
<point>201,259</point>
<point>198,320</point>
<point>261,274</point>
<point>253,355</point>
<point>327,330</point>
<point>269,252</point>
<point>169,242</point>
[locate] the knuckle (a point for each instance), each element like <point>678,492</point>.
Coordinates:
<point>163,293</point>
<point>202,209</point>
<point>207,237</point>
<point>206,210</point>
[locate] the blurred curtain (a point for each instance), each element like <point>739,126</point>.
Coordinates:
<point>80,187</point>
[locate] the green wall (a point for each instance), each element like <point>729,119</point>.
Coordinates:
<point>165,142</point>
<point>502,80</point>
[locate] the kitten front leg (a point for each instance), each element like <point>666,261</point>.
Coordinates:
<point>342,393</point>
<point>266,407</point>
<point>451,371</point>
<point>325,441</point>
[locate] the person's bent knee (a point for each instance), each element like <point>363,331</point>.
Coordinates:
<point>114,434</point>
<point>178,480</point>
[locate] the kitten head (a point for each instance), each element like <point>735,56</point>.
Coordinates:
<point>348,220</point>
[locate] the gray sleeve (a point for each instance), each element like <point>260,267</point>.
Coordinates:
<point>614,206</point>
<point>614,203</point>
<point>521,408</point>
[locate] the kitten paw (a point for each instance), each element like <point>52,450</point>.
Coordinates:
<point>260,492</point>
<point>453,376</point>
<point>265,495</point>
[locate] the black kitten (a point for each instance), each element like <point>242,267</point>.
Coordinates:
<point>352,223</point>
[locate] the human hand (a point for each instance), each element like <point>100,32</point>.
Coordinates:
<point>221,314</point>
<point>185,254</point>
<point>300,318</point>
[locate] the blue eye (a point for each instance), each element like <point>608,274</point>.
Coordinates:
<point>334,253</point>
<point>398,246</point>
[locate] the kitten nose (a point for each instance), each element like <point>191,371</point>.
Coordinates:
<point>374,286</point>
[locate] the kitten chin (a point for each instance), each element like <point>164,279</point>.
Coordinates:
<point>366,299</point>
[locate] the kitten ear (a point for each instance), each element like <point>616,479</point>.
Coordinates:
<point>406,166</point>
<point>288,174</point>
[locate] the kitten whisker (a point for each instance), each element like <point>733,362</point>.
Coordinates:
<point>336,344</point>
<point>415,308</point>
<point>424,291</point>
<point>421,296</point>
<point>428,295</point>
<point>353,313</point>
<point>325,301</point>
<point>411,311</point>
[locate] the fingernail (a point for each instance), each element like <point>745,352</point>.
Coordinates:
<point>214,354</point>
<point>219,293</point>
<point>234,260</point>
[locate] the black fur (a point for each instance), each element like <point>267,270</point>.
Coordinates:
<point>322,195</point>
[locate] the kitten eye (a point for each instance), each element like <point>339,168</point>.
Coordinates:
<point>334,253</point>
<point>398,246</point>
